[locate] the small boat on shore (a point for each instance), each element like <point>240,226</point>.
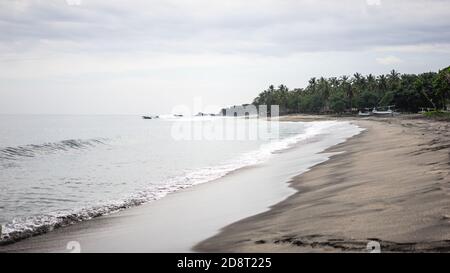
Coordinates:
<point>365,113</point>
<point>383,113</point>
<point>150,117</point>
<point>387,112</point>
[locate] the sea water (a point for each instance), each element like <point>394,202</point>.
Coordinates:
<point>58,170</point>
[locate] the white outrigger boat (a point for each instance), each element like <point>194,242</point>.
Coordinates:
<point>384,113</point>
<point>367,112</point>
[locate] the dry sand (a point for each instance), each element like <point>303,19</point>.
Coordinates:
<point>391,184</point>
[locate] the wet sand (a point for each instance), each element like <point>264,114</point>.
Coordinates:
<point>182,219</point>
<point>390,184</point>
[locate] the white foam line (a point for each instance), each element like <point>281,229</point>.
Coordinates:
<point>25,227</point>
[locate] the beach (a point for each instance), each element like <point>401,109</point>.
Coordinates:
<point>185,217</point>
<point>224,126</point>
<point>389,184</point>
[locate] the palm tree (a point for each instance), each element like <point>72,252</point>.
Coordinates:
<point>371,82</point>
<point>382,83</point>
<point>323,87</point>
<point>334,82</point>
<point>347,87</point>
<point>393,80</point>
<point>312,85</point>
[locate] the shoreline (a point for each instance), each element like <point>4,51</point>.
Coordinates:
<point>356,192</point>
<point>390,184</point>
<point>182,219</point>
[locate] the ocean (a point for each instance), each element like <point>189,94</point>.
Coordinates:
<point>58,170</point>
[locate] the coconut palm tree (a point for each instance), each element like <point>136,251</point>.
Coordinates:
<point>348,90</point>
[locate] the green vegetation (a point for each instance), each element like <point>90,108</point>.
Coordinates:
<point>438,115</point>
<point>408,92</point>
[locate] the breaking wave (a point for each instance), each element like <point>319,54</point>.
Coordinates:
<point>33,150</point>
<point>21,228</point>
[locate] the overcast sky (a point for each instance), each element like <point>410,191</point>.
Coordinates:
<point>145,56</point>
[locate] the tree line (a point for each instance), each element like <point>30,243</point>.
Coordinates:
<point>408,92</point>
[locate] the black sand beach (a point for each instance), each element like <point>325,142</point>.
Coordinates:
<point>390,184</point>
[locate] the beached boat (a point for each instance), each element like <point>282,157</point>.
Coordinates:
<point>383,113</point>
<point>150,117</point>
<point>365,113</point>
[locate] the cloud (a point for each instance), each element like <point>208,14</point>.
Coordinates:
<point>205,46</point>
<point>417,48</point>
<point>389,60</point>
<point>263,27</point>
